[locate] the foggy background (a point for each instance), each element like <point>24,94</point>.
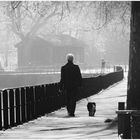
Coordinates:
<point>36,36</point>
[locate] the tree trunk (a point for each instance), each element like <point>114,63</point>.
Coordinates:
<point>133,90</point>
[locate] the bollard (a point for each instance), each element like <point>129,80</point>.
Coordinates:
<point>124,124</point>
<point>127,127</point>
<point>121,106</point>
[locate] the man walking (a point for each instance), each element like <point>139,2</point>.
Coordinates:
<point>71,79</point>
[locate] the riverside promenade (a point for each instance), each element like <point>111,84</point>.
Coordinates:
<point>57,126</point>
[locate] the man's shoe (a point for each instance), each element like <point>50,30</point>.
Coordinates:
<point>71,115</point>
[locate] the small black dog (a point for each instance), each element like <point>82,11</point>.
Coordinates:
<point>91,107</point>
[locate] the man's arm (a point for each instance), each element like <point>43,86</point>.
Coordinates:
<point>79,76</point>
<point>61,79</point>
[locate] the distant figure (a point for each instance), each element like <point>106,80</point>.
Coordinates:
<point>103,66</point>
<point>1,68</point>
<point>71,79</point>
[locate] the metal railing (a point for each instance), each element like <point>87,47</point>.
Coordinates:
<point>20,105</point>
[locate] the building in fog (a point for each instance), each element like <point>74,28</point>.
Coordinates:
<point>51,51</point>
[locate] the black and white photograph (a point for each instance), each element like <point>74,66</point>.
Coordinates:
<point>69,69</point>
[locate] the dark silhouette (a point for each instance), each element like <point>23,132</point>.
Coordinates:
<point>70,81</point>
<point>133,89</point>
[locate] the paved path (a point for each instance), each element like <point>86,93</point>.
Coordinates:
<point>56,126</point>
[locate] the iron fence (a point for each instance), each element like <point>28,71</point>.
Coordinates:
<point>20,105</point>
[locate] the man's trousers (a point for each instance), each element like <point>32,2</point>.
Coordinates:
<point>71,101</point>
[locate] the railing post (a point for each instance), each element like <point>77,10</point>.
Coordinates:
<point>11,103</point>
<point>5,109</point>
<point>23,105</point>
<point>20,106</point>
<point>28,103</point>
<point>0,113</point>
<point>32,103</point>
<point>58,103</point>
<point>17,106</point>
<point>25,92</point>
<point>43,99</point>
<point>37,100</point>
<point>35,106</point>
<point>41,107</point>
<point>46,99</point>
<point>51,97</point>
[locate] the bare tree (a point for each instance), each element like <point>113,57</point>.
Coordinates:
<point>27,18</point>
<point>31,18</point>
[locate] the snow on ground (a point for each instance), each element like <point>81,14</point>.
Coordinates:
<point>57,126</point>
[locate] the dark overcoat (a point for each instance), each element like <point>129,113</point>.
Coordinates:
<point>70,77</point>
